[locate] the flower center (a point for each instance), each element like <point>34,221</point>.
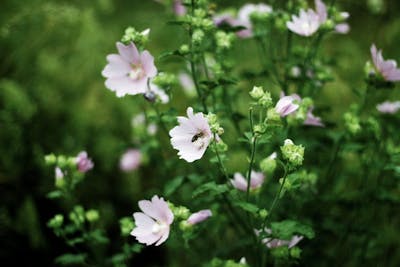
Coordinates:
<point>158,227</point>
<point>136,72</point>
<point>199,140</point>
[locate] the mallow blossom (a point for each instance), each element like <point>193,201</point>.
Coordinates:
<point>312,120</point>
<point>240,182</point>
<point>287,104</point>
<point>83,162</point>
<point>128,71</point>
<point>192,136</point>
<point>274,242</point>
<point>387,68</point>
<point>244,17</point>
<point>153,223</point>
<point>199,216</point>
<point>130,160</point>
<point>305,24</point>
<point>388,107</point>
<point>322,13</point>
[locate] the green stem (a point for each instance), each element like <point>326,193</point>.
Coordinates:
<point>253,152</point>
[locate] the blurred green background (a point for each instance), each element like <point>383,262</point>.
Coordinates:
<point>53,99</point>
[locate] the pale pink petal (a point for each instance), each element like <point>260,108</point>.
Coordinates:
<point>199,216</point>
<point>129,53</point>
<point>148,64</point>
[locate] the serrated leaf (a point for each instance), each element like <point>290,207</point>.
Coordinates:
<point>287,228</point>
<point>246,206</point>
<point>212,188</point>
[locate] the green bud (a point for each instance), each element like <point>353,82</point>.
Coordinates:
<point>263,213</point>
<point>221,146</point>
<point>273,117</point>
<point>126,225</point>
<point>223,39</point>
<point>257,92</point>
<point>295,252</point>
<point>77,216</point>
<point>50,159</point>
<point>56,222</point>
<point>92,215</point>
<point>181,212</point>
<point>352,123</point>
<point>294,154</point>
<point>62,162</point>
<point>198,36</point>
<point>259,128</point>
<point>328,25</point>
<point>266,100</point>
<point>184,49</point>
<point>268,165</point>
<point>184,225</point>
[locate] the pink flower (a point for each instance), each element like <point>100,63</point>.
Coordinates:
<point>388,107</point>
<point>128,72</point>
<point>387,68</point>
<point>313,120</point>
<point>130,160</point>
<point>342,28</point>
<point>83,163</point>
<point>286,104</point>
<point>274,242</point>
<point>192,136</point>
<point>58,174</point>
<point>179,8</point>
<point>320,7</point>
<point>244,17</point>
<point>153,224</point>
<point>199,216</point>
<point>306,24</point>
<point>240,182</point>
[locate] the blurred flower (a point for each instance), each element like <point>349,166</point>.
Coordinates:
<point>153,224</point>
<point>84,163</point>
<point>313,120</point>
<point>130,160</point>
<point>387,68</point>
<point>342,28</point>
<point>199,216</point>
<point>158,93</point>
<point>286,105</point>
<point>320,7</point>
<point>187,84</point>
<point>274,242</point>
<point>240,182</point>
<point>244,17</point>
<point>128,72</point>
<point>179,8</point>
<point>192,136</point>
<point>388,107</point>
<point>58,173</point>
<point>306,24</point>
<point>225,18</point>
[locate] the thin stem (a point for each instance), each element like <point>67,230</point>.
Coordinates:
<point>253,152</point>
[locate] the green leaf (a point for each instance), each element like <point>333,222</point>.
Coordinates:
<point>246,206</point>
<point>287,228</point>
<point>54,194</point>
<point>173,185</point>
<point>69,259</point>
<point>211,188</point>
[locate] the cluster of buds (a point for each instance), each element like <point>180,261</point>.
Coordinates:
<point>131,35</point>
<point>352,123</point>
<point>188,219</point>
<point>294,154</point>
<point>263,98</point>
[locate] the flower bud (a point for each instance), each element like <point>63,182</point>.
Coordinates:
<point>77,216</point>
<point>126,225</point>
<point>263,213</point>
<point>199,216</point>
<point>184,49</point>
<point>92,215</point>
<point>294,154</point>
<point>266,100</point>
<point>56,222</point>
<point>268,165</point>
<point>257,92</point>
<point>50,159</point>
<point>198,36</point>
<point>273,116</point>
<point>352,123</point>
